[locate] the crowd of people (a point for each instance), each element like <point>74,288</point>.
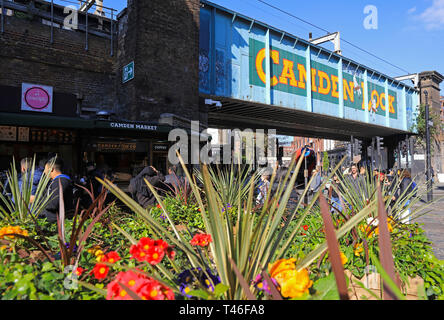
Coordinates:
<point>353,179</point>
<point>79,188</point>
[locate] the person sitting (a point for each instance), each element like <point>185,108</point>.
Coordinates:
<point>52,209</point>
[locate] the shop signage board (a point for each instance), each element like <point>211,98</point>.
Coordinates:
<point>37,98</point>
<point>8,133</point>
<point>126,125</point>
<point>116,146</point>
<point>160,147</point>
<point>128,72</point>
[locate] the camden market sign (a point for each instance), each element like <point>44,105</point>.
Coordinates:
<point>126,125</point>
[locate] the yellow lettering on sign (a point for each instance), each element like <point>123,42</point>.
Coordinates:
<point>288,73</point>
<point>348,90</point>
<point>302,76</point>
<point>313,80</point>
<point>383,105</point>
<point>334,83</point>
<point>260,70</point>
<point>391,101</point>
<point>323,78</point>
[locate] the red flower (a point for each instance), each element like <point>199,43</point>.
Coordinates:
<point>129,279</point>
<point>201,239</point>
<point>305,227</point>
<point>155,255</point>
<point>79,271</point>
<point>145,244</point>
<point>151,290</point>
<point>170,253</point>
<point>159,206</point>
<point>100,271</point>
<point>112,257</point>
<point>145,287</point>
<point>150,250</point>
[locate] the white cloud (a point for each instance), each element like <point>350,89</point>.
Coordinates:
<point>411,10</point>
<point>433,16</point>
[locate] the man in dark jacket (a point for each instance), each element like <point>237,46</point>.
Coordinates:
<point>143,194</point>
<point>52,209</point>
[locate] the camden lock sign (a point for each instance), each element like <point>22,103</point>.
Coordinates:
<point>289,75</point>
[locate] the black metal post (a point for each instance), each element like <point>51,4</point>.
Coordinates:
<point>378,152</point>
<point>428,159</point>
<point>407,141</point>
<point>398,150</point>
<point>352,148</point>
<point>305,174</point>
<point>3,18</point>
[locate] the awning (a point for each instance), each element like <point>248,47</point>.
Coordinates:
<point>34,120</point>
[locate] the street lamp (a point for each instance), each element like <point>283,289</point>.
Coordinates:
<point>428,159</point>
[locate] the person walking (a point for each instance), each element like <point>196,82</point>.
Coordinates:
<point>315,183</point>
<point>264,186</point>
<point>139,188</point>
<point>334,193</point>
<point>407,190</point>
<point>52,209</point>
<point>356,182</point>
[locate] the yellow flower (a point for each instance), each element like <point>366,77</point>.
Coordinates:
<point>12,230</point>
<point>281,266</point>
<point>293,283</point>
<point>358,249</point>
<point>343,258</point>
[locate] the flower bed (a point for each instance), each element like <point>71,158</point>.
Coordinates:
<point>225,248</point>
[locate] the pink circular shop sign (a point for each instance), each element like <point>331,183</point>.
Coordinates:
<point>37,98</point>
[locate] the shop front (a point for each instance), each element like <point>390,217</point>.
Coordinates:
<point>119,149</point>
<point>123,149</point>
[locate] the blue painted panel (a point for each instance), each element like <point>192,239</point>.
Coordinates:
<point>232,64</point>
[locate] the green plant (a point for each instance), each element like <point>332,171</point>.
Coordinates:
<point>420,127</point>
<point>19,206</point>
<point>243,248</point>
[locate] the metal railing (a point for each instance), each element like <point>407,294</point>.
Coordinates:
<point>47,11</point>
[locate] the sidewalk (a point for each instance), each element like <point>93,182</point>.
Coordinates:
<point>434,221</point>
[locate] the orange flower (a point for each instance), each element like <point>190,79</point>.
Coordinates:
<point>344,259</point>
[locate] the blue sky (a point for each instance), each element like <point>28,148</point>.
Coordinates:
<point>409,34</point>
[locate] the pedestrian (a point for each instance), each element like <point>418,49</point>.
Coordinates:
<point>171,179</point>
<point>407,190</point>
<point>141,191</point>
<point>25,176</point>
<point>264,187</point>
<point>356,182</point>
<point>315,183</point>
<point>92,173</point>
<point>54,168</point>
<point>334,193</point>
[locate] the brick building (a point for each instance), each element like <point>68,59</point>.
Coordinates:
<point>90,113</point>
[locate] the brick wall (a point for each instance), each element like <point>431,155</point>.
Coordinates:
<point>26,55</point>
<point>162,37</point>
